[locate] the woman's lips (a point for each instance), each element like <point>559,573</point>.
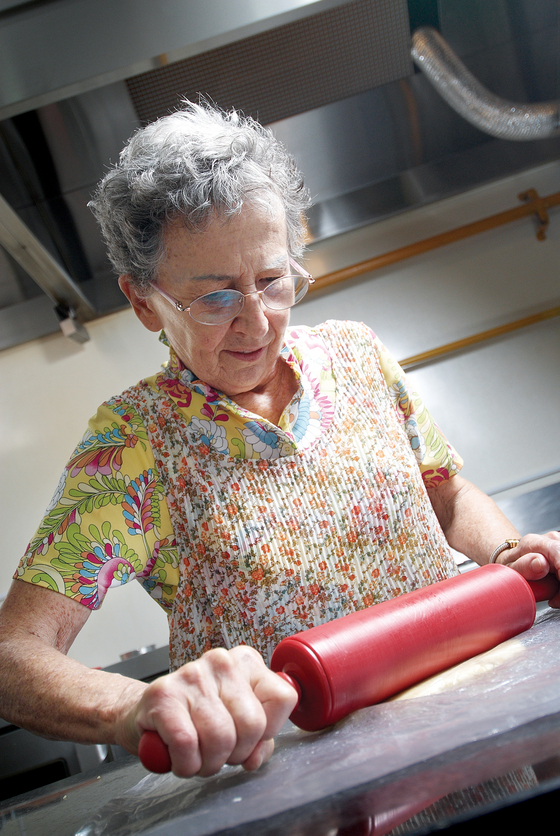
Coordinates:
<point>247,356</point>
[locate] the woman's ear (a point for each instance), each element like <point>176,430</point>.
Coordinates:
<point>141,305</point>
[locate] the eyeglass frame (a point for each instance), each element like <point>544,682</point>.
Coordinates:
<point>182,309</point>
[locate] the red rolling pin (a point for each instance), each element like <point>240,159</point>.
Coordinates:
<point>370,655</point>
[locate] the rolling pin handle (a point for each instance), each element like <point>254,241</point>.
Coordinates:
<point>294,683</point>
<point>546,588</point>
<point>153,753</point>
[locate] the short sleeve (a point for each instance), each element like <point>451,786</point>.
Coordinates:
<point>108,521</point>
<point>437,459</point>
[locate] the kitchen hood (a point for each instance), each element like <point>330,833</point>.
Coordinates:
<point>336,81</point>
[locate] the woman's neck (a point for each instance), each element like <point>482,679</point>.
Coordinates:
<point>271,400</point>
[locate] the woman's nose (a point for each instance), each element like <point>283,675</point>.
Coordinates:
<point>252,318</point>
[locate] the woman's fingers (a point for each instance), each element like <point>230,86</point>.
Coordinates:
<point>532,566</point>
<point>224,708</point>
<point>535,557</point>
<point>253,704</point>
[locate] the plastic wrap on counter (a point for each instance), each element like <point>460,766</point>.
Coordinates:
<point>495,714</point>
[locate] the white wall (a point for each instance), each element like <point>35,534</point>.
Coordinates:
<point>50,388</point>
<point>499,404</point>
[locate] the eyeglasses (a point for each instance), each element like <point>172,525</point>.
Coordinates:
<point>222,306</point>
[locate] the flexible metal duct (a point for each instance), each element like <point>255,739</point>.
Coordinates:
<point>460,89</point>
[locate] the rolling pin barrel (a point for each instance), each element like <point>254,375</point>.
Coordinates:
<point>370,655</point>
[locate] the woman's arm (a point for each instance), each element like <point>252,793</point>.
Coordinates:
<point>474,525</point>
<point>224,708</point>
<point>471,521</point>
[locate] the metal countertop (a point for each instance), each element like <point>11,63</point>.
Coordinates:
<point>365,769</point>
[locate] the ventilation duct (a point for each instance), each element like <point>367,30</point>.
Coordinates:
<point>461,90</point>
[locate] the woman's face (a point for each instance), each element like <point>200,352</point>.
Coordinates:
<point>241,253</point>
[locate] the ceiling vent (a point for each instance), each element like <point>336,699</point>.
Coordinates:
<point>297,67</point>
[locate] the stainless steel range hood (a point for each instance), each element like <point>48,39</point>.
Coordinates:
<point>334,79</point>
<point>54,50</point>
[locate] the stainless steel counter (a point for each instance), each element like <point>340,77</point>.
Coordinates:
<point>373,769</point>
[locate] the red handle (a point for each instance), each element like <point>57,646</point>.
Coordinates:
<point>546,588</point>
<point>153,753</point>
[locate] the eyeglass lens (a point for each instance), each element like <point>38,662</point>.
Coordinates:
<point>223,305</point>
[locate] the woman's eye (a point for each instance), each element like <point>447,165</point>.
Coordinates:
<point>268,280</point>
<point>217,300</point>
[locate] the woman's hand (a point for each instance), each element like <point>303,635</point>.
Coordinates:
<point>474,525</point>
<point>226,707</point>
<point>534,557</point>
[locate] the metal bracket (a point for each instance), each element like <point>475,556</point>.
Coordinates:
<point>532,197</point>
<point>70,326</point>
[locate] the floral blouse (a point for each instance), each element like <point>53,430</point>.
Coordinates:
<point>244,531</point>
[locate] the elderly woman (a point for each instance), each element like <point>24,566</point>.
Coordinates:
<point>267,480</point>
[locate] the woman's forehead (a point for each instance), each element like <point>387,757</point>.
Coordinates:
<point>255,236</point>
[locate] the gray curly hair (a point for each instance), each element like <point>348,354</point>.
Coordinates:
<point>193,164</point>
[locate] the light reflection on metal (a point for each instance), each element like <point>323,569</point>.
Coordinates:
<point>461,90</point>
